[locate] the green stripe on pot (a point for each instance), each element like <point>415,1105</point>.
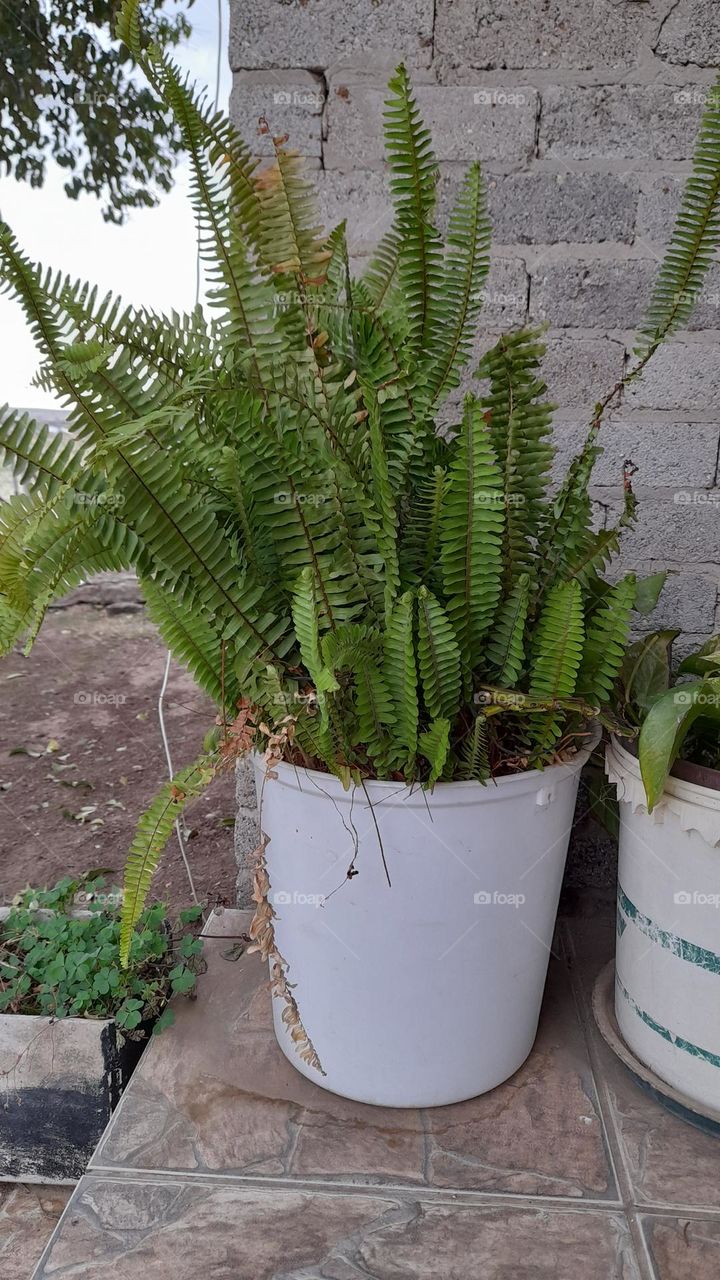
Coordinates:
<point>680,947</point>
<point>678,1042</point>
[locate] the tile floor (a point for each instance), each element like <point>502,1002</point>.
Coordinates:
<point>27,1217</point>
<point>223,1161</point>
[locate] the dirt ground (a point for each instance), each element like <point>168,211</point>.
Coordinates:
<point>81,756</point>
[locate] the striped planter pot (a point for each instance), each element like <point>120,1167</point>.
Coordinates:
<point>667,968</point>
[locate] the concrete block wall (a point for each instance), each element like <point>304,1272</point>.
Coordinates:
<point>584,114</point>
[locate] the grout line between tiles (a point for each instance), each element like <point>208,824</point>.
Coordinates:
<point>611,1131</point>
<point>413,1191</point>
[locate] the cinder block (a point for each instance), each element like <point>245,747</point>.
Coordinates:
<point>691,33</point>
<point>245,795</point>
<point>363,198</point>
<point>580,371</point>
<point>683,526</point>
<point>666,454</point>
<point>467,123</point>
<point>681,377</point>
<point>505,294</point>
<point>658,203</point>
<point>290,101</point>
<point>488,34</point>
<point>247,838</point>
<point>629,121</point>
<point>591,294</point>
<point>544,208</point>
<point>323,33</point>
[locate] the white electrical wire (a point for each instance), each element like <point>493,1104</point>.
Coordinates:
<point>179,829</point>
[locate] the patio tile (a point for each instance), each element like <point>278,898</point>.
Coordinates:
<point>27,1217</point>
<point>537,1134</point>
<point>119,1229</point>
<point>683,1248</point>
<point>667,1161</point>
<point>215,1094</point>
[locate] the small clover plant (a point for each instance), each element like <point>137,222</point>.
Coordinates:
<point>60,956</point>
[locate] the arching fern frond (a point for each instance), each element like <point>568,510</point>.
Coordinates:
<point>472,522</point>
<point>556,657</point>
<point>695,238</point>
<point>467,261</point>
<point>152,834</point>
<point>606,640</point>
<point>413,176</point>
<point>439,658</point>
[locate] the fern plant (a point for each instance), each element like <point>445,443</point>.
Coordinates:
<point>382,599</point>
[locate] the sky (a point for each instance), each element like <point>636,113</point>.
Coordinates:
<point>151,259</point>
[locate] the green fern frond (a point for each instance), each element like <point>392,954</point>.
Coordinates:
<point>37,457</point>
<point>467,261</point>
<point>307,630</point>
<point>474,758</point>
<point>506,645</point>
<point>151,835</point>
<point>473,518</point>
<point>520,432</point>
<point>434,746</point>
<point>557,654</point>
<point>380,277</point>
<point>695,238</point>
<point>420,551</point>
<point>401,675</point>
<point>292,242</point>
<point>194,642</point>
<point>413,177</point>
<point>605,643</point>
<point>439,658</point>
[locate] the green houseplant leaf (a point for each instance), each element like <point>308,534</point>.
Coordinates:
<point>666,727</point>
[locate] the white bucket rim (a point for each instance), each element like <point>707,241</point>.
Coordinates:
<point>454,793</point>
<point>618,758</point>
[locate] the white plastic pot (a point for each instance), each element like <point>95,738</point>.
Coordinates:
<point>426,990</point>
<point>667,984</point>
